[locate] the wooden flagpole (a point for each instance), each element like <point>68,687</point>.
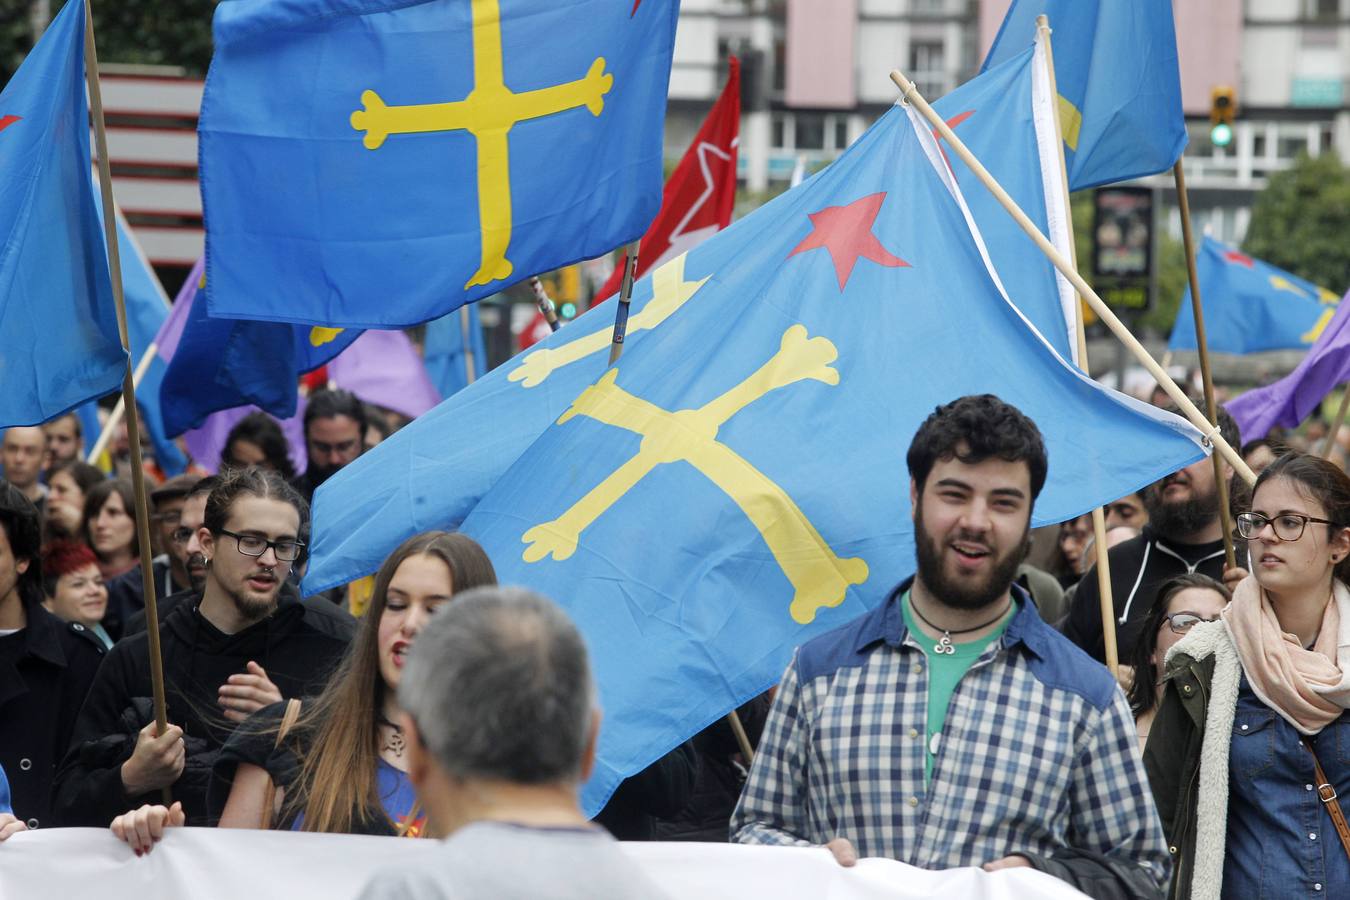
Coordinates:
<point>545,304</point>
<point>128,382</point>
<point>1211,406</point>
<point>625,300</point>
<point>115,417</point>
<point>1107,602</point>
<point>465,327</point>
<point>1188,409</point>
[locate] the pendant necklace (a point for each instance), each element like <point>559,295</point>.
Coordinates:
<point>944,644</point>
<point>396,743</point>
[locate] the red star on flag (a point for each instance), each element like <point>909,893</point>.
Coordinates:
<point>6,121</point>
<point>846,232</point>
<point>1241,259</point>
<point>951,123</point>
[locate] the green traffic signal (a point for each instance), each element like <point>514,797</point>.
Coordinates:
<point>1221,135</point>
<point>567,310</point>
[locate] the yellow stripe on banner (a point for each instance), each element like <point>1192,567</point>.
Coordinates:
<point>1070,121</point>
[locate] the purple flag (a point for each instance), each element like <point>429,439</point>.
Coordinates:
<point>206,443</point>
<point>384,368</point>
<point>172,330</point>
<point>1288,401</point>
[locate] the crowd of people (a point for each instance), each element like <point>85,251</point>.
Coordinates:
<point>967,720</point>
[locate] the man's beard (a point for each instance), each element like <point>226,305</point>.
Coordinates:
<point>953,593</point>
<point>196,572</point>
<point>251,607</point>
<point>1179,518</point>
<point>320,474</point>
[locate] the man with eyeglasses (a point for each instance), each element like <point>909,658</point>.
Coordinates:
<point>335,429</point>
<point>1183,534</point>
<point>243,642</point>
<point>126,592</point>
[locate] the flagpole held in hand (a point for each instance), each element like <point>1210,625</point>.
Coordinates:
<point>625,300</point>
<point>1212,407</point>
<point>1104,312</point>
<point>1110,651</point>
<point>128,383</point>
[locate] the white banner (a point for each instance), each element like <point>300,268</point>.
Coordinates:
<point>221,864</point>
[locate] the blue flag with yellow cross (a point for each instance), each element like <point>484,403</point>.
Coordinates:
<point>378,163</point>
<point>1250,305</point>
<point>736,483</point>
<point>1118,80</point>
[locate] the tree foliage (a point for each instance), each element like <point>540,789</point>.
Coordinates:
<point>1301,221</point>
<point>158,32</point>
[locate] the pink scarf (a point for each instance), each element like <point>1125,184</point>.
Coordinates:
<point>1308,688</point>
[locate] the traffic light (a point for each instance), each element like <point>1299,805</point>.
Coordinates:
<point>567,310</point>
<point>1222,107</point>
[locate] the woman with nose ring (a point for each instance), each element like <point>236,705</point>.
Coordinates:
<point>337,763</point>
<point>1249,754</point>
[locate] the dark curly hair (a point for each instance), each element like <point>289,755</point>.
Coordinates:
<point>261,430</point>
<point>19,521</point>
<point>988,428</point>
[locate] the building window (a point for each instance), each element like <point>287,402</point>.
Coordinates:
<point>927,68</point>
<point>1291,145</point>
<point>1321,9</point>
<point>1259,144</point>
<point>778,131</point>
<point>930,7</point>
<point>840,133</point>
<point>810,128</point>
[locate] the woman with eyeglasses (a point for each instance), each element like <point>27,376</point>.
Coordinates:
<point>1183,602</point>
<point>1249,752</point>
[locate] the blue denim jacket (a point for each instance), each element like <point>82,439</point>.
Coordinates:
<point>1281,842</point>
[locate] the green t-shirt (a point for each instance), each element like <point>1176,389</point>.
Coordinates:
<point>945,671</point>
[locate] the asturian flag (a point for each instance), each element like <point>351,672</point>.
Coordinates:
<point>735,484</point>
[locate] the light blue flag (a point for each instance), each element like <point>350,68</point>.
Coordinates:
<point>1118,79</point>
<point>736,483</point>
<point>147,308</point>
<point>1250,305</point>
<point>1006,117</point>
<point>444,348</point>
<point>59,344</point>
<point>378,163</point>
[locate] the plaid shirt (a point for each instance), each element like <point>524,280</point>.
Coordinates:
<point>1039,752</point>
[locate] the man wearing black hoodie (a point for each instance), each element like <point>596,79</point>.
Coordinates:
<point>246,642</point>
<point>1183,534</point>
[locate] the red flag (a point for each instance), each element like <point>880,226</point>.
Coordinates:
<point>696,203</point>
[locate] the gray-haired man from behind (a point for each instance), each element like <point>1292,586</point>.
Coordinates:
<point>500,720</point>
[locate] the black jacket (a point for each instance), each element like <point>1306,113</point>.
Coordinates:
<point>126,596</point>
<point>299,646</point>
<point>662,789</point>
<point>1139,567</point>
<point>45,672</point>
<point>721,776</point>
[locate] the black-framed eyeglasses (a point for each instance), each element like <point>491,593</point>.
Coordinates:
<point>1287,526</point>
<point>1182,622</point>
<point>256,545</point>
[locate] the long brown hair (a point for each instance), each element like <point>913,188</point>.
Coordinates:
<point>338,771</point>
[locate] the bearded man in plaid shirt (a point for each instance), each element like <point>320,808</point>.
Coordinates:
<point>951,726</point>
